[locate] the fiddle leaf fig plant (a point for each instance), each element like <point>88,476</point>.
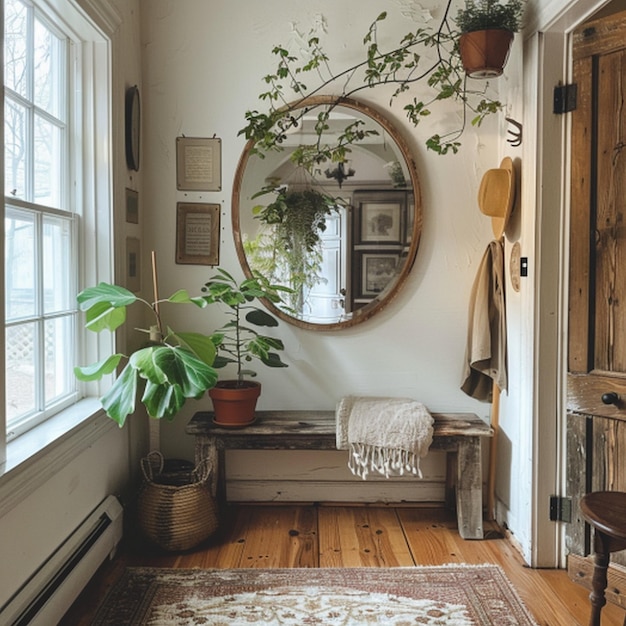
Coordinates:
<point>171,368</point>
<point>236,341</point>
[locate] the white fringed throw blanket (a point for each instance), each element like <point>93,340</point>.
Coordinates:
<point>384,435</point>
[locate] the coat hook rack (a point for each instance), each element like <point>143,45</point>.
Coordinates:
<point>516,135</point>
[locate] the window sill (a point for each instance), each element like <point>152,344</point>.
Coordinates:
<point>36,455</point>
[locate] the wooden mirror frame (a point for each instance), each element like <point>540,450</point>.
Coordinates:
<point>379,302</point>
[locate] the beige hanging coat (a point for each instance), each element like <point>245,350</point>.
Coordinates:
<point>485,355</point>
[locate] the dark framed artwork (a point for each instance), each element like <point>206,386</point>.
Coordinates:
<point>198,164</point>
<point>133,127</point>
<point>379,217</point>
<point>373,271</point>
<point>197,233</point>
<point>133,264</point>
<point>132,206</point>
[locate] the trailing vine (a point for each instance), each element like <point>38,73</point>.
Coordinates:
<point>288,246</point>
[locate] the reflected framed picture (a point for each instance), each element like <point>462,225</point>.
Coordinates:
<point>409,222</point>
<point>197,233</point>
<point>379,217</point>
<point>132,206</point>
<point>374,271</point>
<point>133,264</point>
<point>198,164</point>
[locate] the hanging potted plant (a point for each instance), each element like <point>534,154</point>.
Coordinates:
<point>234,401</point>
<point>487,29</point>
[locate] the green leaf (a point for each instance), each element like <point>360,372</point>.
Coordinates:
<point>261,318</point>
<point>201,345</point>
<point>114,295</point>
<point>175,365</point>
<point>102,315</point>
<point>105,306</point>
<point>222,361</point>
<point>119,400</point>
<point>273,360</point>
<point>97,370</point>
<point>163,400</point>
<point>183,297</point>
<point>273,342</point>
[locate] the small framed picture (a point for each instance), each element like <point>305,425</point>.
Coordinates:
<point>197,233</point>
<point>379,217</point>
<point>374,271</point>
<point>132,206</point>
<point>133,264</point>
<point>198,164</point>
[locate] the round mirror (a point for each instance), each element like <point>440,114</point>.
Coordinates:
<point>342,234</point>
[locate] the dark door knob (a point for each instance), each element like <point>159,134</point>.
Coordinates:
<point>610,398</point>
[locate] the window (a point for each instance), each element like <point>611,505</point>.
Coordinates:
<point>54,96</point>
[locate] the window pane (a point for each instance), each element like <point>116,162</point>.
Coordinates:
<point>59,365</point>
<point>20,365</point>
<point>19,264</point>
<point>48,71</point>
<point>15,56</point>
<point>48,166</point>
<point>15,146</point>
<point>57,252</point>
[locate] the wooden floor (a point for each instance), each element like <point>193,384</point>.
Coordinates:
<point>351,536</point>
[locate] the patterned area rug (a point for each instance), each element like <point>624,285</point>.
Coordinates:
<point>453,595</point>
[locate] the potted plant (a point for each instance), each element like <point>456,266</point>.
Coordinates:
<point>234,401</point>
<point>487,28</point>
<point>170,368</point>
<point>175,508</point>
<point>399,65</point>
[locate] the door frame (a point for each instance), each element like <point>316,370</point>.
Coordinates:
<point>549,51</point>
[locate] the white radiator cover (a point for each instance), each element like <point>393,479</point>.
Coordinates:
<point>50,591</point>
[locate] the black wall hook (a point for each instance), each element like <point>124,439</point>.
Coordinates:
<point>516,135</point>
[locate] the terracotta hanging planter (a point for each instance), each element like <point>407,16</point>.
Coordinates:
<point>484,53</point>
<point>234,402</point>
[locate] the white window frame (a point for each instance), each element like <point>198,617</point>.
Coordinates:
<point>48,446</point>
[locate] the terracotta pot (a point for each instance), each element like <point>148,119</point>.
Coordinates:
<point>234,402</point>
<point>484,53</point>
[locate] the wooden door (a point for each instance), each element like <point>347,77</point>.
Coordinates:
<point>596,385</point>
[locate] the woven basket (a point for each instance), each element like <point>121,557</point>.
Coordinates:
<point>176,510</point>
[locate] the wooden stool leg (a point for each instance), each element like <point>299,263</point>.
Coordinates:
<point>599,580</point>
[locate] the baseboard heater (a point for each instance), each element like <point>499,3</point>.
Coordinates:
<point>50,591</point>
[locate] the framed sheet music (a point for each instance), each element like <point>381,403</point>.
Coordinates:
<point>198,164</point>
<point>197,233</point>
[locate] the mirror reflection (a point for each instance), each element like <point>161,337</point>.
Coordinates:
<point>343,234</point>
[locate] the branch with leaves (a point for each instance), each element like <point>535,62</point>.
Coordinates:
<point>401,67</point>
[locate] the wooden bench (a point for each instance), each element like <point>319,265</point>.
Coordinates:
<point>458,434</point>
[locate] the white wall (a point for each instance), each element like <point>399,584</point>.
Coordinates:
<point>57,489</point>
<point>203,65</point>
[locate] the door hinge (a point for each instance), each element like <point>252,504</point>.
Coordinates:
<point>564,99</point>
<point>560,509</point>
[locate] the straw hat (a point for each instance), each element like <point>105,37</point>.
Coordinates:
<point>496,195</point>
